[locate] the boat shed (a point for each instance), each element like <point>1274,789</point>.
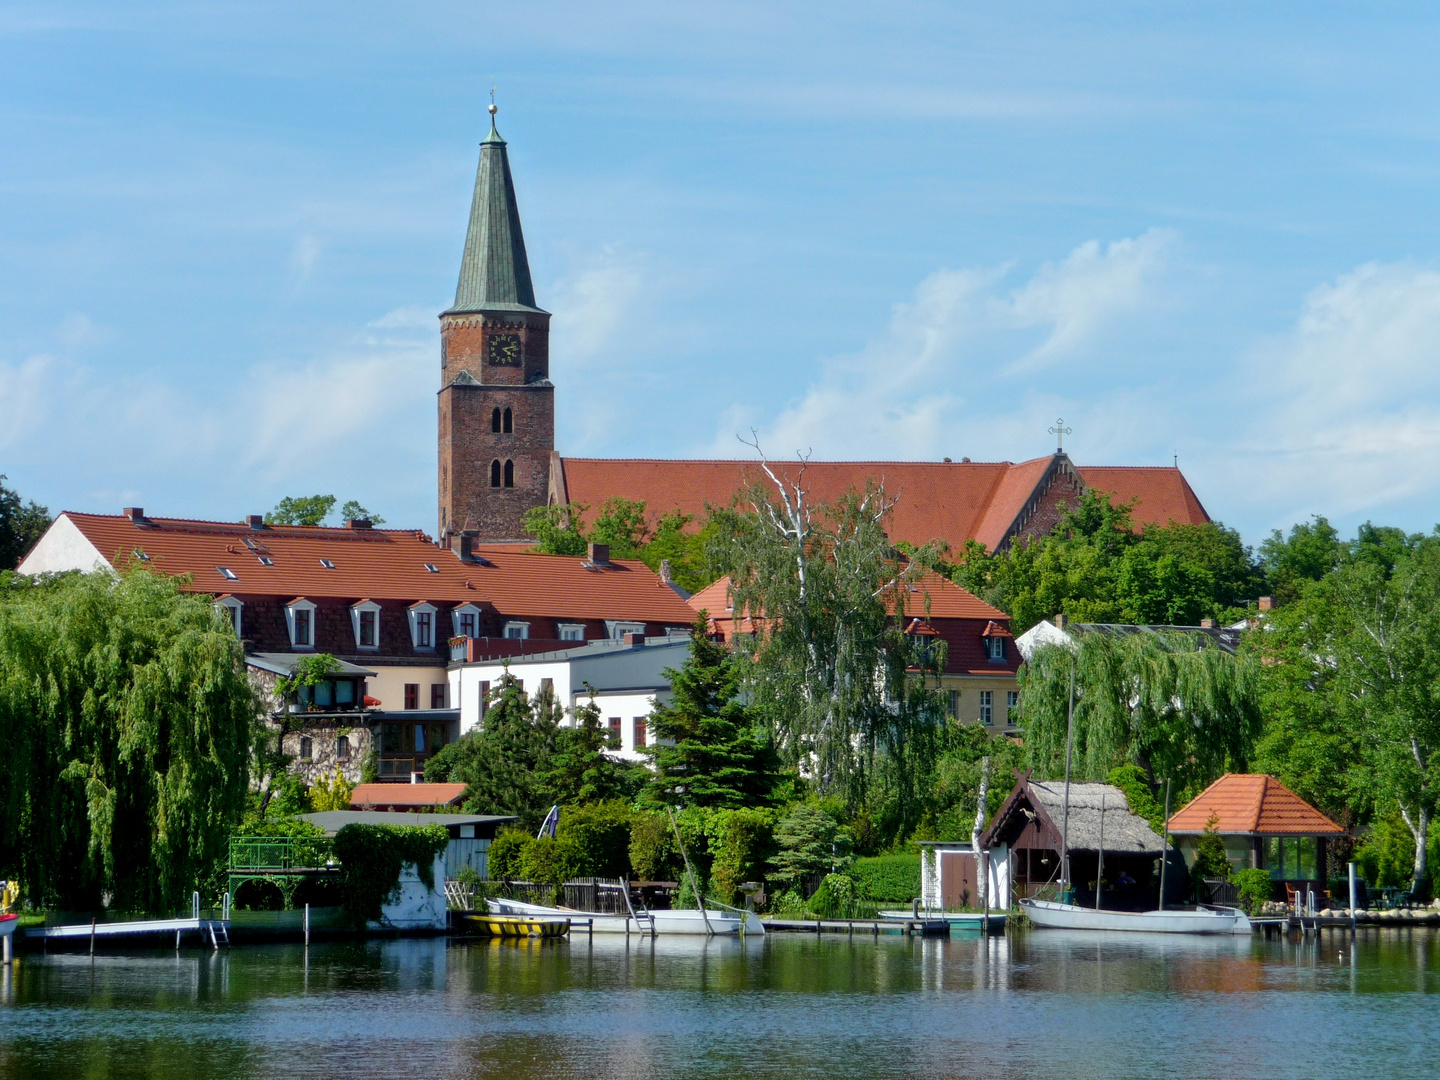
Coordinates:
<point>1026,834</point>
<point>470,834</point>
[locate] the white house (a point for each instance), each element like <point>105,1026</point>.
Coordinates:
<point>624,678</point>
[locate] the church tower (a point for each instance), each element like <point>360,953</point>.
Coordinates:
<point>497,404</point>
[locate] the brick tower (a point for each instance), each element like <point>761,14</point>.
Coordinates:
<point>497,404</point>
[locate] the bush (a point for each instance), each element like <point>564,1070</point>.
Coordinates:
<point>1210,858</point>
<point>1131,779</point>
<point>744,842</point>
<point>653,854</point>
<point>506,852</point>
<point>888,878</point>
<point>601,835</point>
<point>552,862</point>
<point>1255,889</point>
<point>837,898</point>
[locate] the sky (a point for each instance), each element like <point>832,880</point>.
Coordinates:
<point>1198,232</point>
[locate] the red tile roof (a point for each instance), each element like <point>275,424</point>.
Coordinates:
<point>950,501</point>
<point>382,565</point>
<point>1251,803</point>
<point>416,795</point>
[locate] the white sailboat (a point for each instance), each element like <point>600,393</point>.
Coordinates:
<point>710,922</point>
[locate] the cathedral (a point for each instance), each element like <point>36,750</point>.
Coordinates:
<point>497,429</point>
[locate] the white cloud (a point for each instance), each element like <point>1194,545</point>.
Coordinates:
<point>948,375</point>
<point>24,398</point>
<point>593,304</point>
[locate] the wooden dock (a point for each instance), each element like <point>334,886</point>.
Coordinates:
<point>874,927</point>
<point>217,930</point>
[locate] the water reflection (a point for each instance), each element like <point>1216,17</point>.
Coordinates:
<point>1047,1003</point>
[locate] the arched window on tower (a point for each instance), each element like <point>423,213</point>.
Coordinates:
<point>509,474</point>
<point>494,474</point>
<point>495,420</point>
<point>509,424</point>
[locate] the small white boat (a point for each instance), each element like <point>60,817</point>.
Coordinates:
<point>8,923</point>
<point>1050,914</point>
<point>680,921</point>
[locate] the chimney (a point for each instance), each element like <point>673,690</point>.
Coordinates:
<point>1207,624</point>
<point>135,514</point>
<point>1266,603</point>
<point>665,572</point>
<point>600,554</point>
<point>464,545</point>
<point>255,521</point>
<point>358,523</point>
<point>634,639</point>
<point>1060,621</point>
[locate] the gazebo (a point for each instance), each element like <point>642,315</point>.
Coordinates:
<point>1264,825</point>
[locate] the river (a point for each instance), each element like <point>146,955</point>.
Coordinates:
<point>1038,1004</point>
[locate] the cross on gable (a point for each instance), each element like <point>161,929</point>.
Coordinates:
<point>1060,431</point>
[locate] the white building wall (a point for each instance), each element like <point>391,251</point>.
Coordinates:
<point>64,547</point>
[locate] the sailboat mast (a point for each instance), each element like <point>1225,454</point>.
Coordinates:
<point>1165,851</point>
<point>1065,814</point>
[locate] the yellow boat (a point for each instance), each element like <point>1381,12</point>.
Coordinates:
<point>519,926</point>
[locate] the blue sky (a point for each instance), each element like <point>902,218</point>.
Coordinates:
<point>894,231</point>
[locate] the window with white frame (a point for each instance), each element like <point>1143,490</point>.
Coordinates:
<point>517,631</point>
<point>995,648</point>
<point>467,620</point>
<point>955,704</point>
<point>1012,702</point>
<point>233,608</point>
<point>617,630</point>
<point>422,626</point>
<point>572,631</point>
<point>987,706</point>
<point>300,621</point>
<point>365,621</point>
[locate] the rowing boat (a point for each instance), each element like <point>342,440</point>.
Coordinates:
<point>519,926</point>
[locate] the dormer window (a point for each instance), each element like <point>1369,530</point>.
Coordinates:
<point>365,621</point>
<point>300,621</point>
<point>232,608</point>
<point>227,573</point>
<point>994,638</point>
<point>327,564</point>
<point>572,631</point>
<point>422,626</point>
<point>617,630</point>
<point>466,618</point>
<point>517,631</point>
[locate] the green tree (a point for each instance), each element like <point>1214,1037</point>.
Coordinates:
<point>684,548</point>
<point>580,771</point>
<point>707,750</point>
<point>301,510</point>
<point>1311,551</point>
<point>831,669</point>
<point>809,844</point>
<point>622,525</point>
<point>1094,566</point>
<point>558,530</point>
<point>21,524</point>
<point>353,511</point>
<point>126,722</point>
<point>504,762</point>
<point>1183,713</point>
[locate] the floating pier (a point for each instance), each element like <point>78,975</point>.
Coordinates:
<point>217,930</point>
<point>874,927</point>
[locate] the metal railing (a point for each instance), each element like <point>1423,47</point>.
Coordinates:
<point>281,853</point>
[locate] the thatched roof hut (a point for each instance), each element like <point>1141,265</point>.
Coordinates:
<point>1123,831</point>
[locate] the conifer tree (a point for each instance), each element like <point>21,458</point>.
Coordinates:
<point>708,752</point>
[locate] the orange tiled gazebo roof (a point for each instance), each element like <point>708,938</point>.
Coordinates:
<point>1252,804</point>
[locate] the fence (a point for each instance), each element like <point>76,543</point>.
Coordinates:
<point>600,895</point>
<point>281,853</point>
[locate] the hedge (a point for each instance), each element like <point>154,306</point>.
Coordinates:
<point>891,878</point>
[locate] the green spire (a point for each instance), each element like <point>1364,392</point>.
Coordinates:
<point>494,272</point>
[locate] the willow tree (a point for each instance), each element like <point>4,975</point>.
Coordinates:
<point>1174,704</point>
<point>830,668</point>
<point>126,725</point>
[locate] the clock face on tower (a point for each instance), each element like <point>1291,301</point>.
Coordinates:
<point>504,349</point>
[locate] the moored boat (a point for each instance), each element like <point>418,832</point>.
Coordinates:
<point>8,924</point>
<point>1054,915</point>
<point>958,920</point>
<point>679,921</point>
<point>519,926</point>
